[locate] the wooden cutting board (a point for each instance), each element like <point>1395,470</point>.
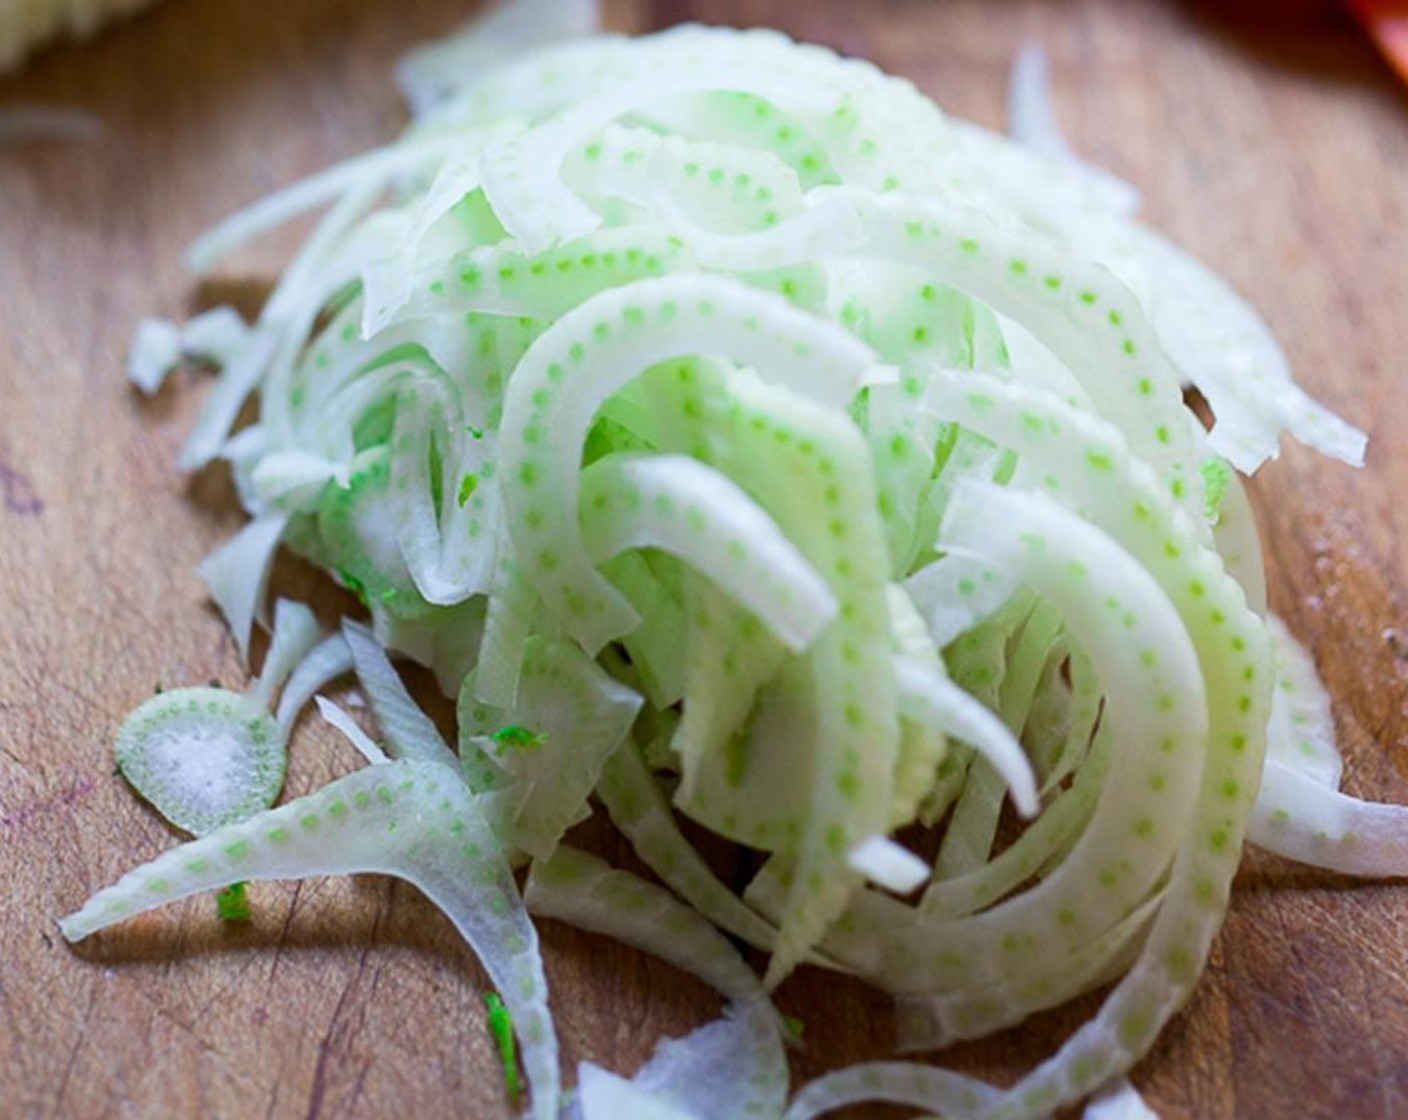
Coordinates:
<point>1268,138</point>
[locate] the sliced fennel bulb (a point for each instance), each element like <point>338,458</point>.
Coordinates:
<point>737,437</point>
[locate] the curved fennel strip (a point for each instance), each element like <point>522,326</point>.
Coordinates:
<point>1060,822</point>
<point>1159,720</point>
<point>679,505</point>
<point>409,731</point>
<point>1234,656</point>
<point>1301,735</point>
<point>296,633</point>
<point>808,466</point>
<point>428,74</point>
<point>928,697</point>
<point>351,731</point>
<point>502,279</point>
<point>640,810</point>
<point>325,662</point>
<point>586,892</point>
<point>414,820</point>
<point>925,1087</point>
<point>922,750</point>
<point>1031,122</point>
<point>1080,311</point>
<point>537,764</point>
<point>1230,354</point>
<point>523,173</point>
<point>604,343</point>
<point>931,1022</point>
<point>1298,817</point>
<point>372,170</point>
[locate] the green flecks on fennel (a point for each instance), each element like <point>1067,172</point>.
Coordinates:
<point>517,737</point>
<point>232,904</point>
<point>501,1028</point>
<point>1217,476</point>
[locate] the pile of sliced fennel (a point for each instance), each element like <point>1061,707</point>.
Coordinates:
<point>738,438</point>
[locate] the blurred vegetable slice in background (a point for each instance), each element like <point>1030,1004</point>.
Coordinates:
<point>26,25</point>
<point>1387,21</point>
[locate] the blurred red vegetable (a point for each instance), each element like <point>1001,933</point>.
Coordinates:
<point>1387,21</point>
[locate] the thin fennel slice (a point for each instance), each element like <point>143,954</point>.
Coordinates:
<point>606,342</point>
<point>539,761</point>
<point>369,171</point>
<point>928,696</point>
<point>428,75</point>
<point>237,573</point>
<point>1031,121</point>
<point>290,311</point>
<point>806,466</point>
<point>155,351</point>
<point>501,279</point>
<point>203,757</point>
<point>602,1095</point>
<point>1301,735</point>
<point>888,865</point>
<point>413,820</point>
<point>701,1076</point>
<point>296,633</point>
<point>1298,817</point>
<point>640,810</point>
<point>1120,1101</point>
<point>409,731</point>
<point>1214,334</point>
<point>904,1083</point>
<point>350,731</point>
<point>584,891</point>
<point>932,1022</point>
<point>325,662</point>
<point>678,505</point>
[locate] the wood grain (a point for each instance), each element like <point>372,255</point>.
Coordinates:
<point>1267,137</point>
